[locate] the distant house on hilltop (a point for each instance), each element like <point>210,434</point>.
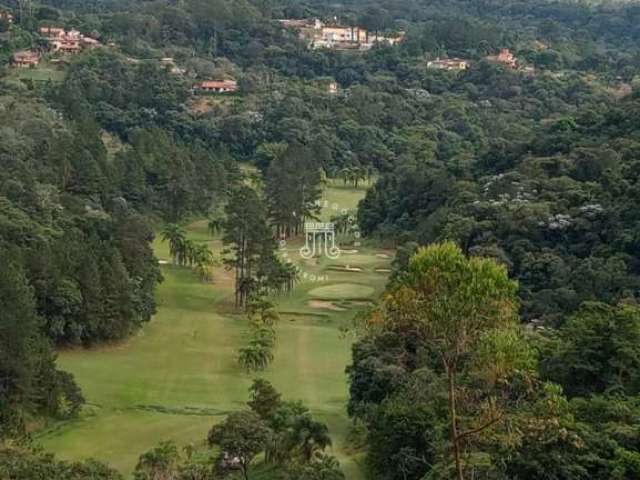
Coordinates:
<point>390,40</point>
<point>51,32</point>
<point>68,46</point>
<point>451,64</point>
<point>505,57</point>
<point>338,37</point>
<point>216,86</point>
<point>26,59</point>
<point>69,42</point>
<point>6,16</point>
<point>333,35</point>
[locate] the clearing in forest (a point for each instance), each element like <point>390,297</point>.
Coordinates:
<point>179,374</point>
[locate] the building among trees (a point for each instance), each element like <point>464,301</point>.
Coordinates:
<point>68,42</point>
<point>26,59</point>
<point>451,64</point>
<point>216,86</point>
<point>6,16</point>
<point>338,37</point>
<point>505,57</point>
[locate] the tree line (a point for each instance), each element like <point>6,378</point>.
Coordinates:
<point>446,383</point>
<point>556,211</point>
<point>77,260</point>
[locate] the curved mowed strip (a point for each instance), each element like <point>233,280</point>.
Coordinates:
<point>342,291</point>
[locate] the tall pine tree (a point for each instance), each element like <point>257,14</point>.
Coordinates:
<point>249,239</point>
<point>293,187</point>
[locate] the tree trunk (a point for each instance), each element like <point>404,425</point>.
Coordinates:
<point>454,422</point>
<point>241,273</point>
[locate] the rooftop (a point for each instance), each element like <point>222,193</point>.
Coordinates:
<point>218,84</point>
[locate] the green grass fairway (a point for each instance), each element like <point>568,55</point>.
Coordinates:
<point>42,73</point>
<point>179,374</point>
<point>340,196</point>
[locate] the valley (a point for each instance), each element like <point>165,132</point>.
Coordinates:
<point>179,375</point>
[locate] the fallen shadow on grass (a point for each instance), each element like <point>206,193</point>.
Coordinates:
<point>186,410</point>
<point>59,427</point>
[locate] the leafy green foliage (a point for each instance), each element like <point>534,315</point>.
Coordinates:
<point>542,213</point>
<point>536,169</point>
<point>597,351</point>
<point>292,190</point>
<point>241,437</point>
<point>166,462</point>
<point>249,240</point>
<point>258,354</point>
<point>18,462</point>
<point>443,361</point>
<point>186,252</point>
<point>85,253</point>
<point>265,399</point>
<point>323,467</point>
<point>297,440</point>
<point>29,381</point>
<point>293,444</point>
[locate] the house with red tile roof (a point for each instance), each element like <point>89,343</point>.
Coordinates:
<point>26,59</point>
<point>67,41</point>
<point>216,86</point>
<point>6,16</point>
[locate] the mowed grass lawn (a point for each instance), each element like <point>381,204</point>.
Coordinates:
<point>179,375</point>
<point>44,72</point>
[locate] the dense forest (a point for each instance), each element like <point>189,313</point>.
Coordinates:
<point>535,169</point>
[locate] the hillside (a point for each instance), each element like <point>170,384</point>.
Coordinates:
<point>305,240</point>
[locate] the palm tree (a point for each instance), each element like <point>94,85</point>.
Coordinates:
<point>258,354</point>
<point>262,312</point>
<point>346,174</point>
<point>251,358</point>
<point>175,235</point>
<point>255,357</point>
<point>203,260</point>
<point>159,462</point>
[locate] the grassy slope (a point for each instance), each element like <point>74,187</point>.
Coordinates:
<point>44,72</point>
<point>179,375</point>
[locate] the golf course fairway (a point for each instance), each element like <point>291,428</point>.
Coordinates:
<point>179,374</point>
